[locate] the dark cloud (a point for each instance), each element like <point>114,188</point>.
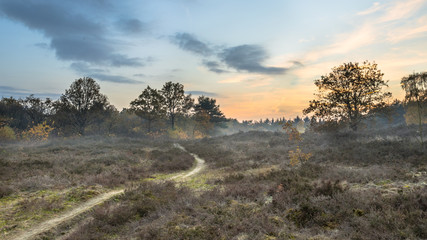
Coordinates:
<point>82,67</point>
<point>7,91</point>
<point>248,58</point>
<point>214,66</point>
<point>242,58</point>
<point>113,78</point>
<point>11,89</point>
<point>298,64</point>
<point>190,43</point>
<point>73,35</point>
<point>131,26</point>
<point>100,74</point>
<point>200,93</point>
<point>139,75</point>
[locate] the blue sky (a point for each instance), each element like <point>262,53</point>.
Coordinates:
<point>257,58</point>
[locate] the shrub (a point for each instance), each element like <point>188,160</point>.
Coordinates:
<point>5,191</point>
<point>296,157</point>
<point>39,132</point>
<point>171,161</point>
<point>7,134</point>
<point>329,187</point>
<point>303,215</point>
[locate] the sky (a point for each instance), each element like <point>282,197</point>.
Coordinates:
<point>258,59</point>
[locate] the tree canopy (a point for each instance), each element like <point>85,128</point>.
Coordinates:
<point>81,103</point>
<point>209,106</point>
<point>176,101</point>
<point>150,106</point>
<point>348,93</point>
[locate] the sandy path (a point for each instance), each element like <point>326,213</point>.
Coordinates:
<point>200,165</point>
<point>51,223</point>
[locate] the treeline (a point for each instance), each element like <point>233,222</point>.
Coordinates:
<point>352,97</point>
<point>84,110</point>
<point>397,113</point>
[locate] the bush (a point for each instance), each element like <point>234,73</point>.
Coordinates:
<point>39,132</point>
<point>7,134</point>
<point>303,215</point>
<point>5,191</point>
<point>171,161</point>
<point>329,187</point>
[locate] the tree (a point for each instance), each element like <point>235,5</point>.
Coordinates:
<point>415,86</point>
<point>208,105</point>
<point>80,104</point>
<point>149,106</point>
<point>14,114</point>
<point>348,93</point>
<point>37,109</point>
<point>175,101</point>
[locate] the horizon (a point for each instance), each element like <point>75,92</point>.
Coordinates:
<point>257,60</point>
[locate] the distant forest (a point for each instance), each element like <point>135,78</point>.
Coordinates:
<point>350,97</point>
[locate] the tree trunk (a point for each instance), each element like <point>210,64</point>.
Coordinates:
<point>173,121</point>
<point>420,124</point>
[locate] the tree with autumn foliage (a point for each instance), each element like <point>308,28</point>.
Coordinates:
<point>348,93</point>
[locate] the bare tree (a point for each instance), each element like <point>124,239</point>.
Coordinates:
<point>415,86</point>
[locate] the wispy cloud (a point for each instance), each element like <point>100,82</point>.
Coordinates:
<point>344,43</point>
<point>249,80</point>
<point>113,78</point>
<point>200,93</point>
<point>7,91</point>
<point>401,10</point>
<point>376,28</point>
<point>100,74</point>
<point>376,6</point>
<point>413,30</point>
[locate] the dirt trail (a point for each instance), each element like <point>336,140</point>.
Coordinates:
<point>200,165</point>
<point>51,223</point>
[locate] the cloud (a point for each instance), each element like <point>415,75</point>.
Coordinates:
<point>113,78</point>
<point>82,67</point>
<point>73,35</point>
<point>190,43</point>
<point>401,10</point>
<point>214,66</point>
<point>200,93</point>
<point>11,89</point>
<point>131,26</point>
<point>249,80</point>
<point>248,58</point>
<point>139,75</point>
<point>375,7</point>
<point>7,91</point>
<point>392,22</point>
<point>100,74</point>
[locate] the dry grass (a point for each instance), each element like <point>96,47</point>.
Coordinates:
<point>350,189</point>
